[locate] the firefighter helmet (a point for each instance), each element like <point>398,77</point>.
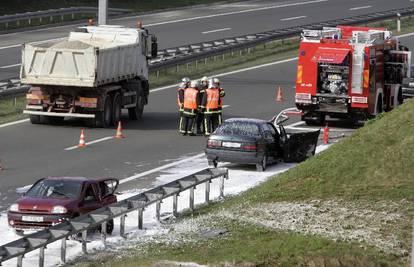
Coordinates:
<point>194,84</point>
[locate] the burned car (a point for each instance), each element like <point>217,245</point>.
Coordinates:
<point>54,199</point>
<point>259,142</point>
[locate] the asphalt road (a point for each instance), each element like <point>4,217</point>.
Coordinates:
<point>207,23</point>
<point>29,152</point>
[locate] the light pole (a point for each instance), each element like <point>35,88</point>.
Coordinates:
<point>103,12</point>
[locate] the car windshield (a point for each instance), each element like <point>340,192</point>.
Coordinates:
<point>238,128</point>
<point>55,189</point>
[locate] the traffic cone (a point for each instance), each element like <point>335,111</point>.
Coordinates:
<point>119,131</point>
<point>279,95</point>
<point>82,140</point>
<point>326,134</point>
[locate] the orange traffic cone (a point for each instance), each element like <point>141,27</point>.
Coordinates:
<point>279,95</point>
<point>326,134</point>
<point>119,131</point>
<point>82,140</point>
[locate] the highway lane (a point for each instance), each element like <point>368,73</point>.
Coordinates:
<point>29,152</point>
<point>190,25</point>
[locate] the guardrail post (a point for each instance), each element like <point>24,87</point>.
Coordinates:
<point>222,187</point>
<point>42,257</point>
<point>176,68</point>
<point>158,73</point>
<point>103,233</point>
<point>73,16</point>
<point>398,22</point>
<point>20,261</point>
<point>158,210</point>
<point>62,17</point>
<point>122,226</point>
<point>192,199</point>
<point>208,191</point>
<point>63,250</point>
<point>196,64</point>
<point>140,213</point>
<point>7,25</point>
<point>40,20</point>
<point>51,19</point>
<point>84,235</point>
<point>29,21</point>
<point>18,23</point>
<point>205,61</point>
<point>175,205</point>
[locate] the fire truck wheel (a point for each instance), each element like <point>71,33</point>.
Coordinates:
<point>400,96</point>
<point>380,107</point>
<point>34,119</point>
<point>56,120</point>
<point>116,108</point>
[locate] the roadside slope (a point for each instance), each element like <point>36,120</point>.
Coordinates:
<point>351,205</point>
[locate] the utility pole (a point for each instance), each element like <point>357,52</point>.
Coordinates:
<point>103,12</point>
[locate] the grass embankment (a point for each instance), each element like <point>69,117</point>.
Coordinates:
<point>11,109</point>
<point>351,205</point>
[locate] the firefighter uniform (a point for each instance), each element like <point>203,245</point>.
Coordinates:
<point>222,94</point>
<point>190,110</point>
<point>211,104</point>
<point>203,85</point>
<point>185,83</point>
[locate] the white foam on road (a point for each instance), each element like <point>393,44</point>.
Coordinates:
<point>240,179</point>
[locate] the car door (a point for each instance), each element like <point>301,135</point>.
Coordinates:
<point>269,135</point>
<point>90,199</point>
<point>107,189</point>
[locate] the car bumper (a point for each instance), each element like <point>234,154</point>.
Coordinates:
<point>408,92</point>
<point>234,156</point>
<point>16,221</point>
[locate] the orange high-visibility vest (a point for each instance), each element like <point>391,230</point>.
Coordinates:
<point>212,98</point>
<point>190,98</point>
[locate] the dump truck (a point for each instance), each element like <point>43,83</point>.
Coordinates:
<point>349,72</point>
<point>93,74</point>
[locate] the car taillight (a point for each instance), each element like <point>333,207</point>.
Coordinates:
<point>249,146</point>
<point>213,143</point>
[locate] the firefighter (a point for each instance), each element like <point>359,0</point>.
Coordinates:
<point>222,94</point>
<point>185,83</point>
<point>211,107</point>
<point>203,85</point>
<point>190,109</point>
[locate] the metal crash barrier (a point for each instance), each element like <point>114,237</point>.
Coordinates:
<point>102,216</point>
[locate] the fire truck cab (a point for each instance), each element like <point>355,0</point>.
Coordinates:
<point>349,72</point>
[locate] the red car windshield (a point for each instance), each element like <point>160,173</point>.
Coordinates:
<point>55,189</point>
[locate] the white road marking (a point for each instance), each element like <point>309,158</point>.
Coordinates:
<point>91,142</point>
<point>139,175</point>
<point>186,19</point>
<point>218,30</point>
<point>13,123</point>
<point>10,66</point>
<point>233,12</point>
<point>293,18</point>
<point>359,7</point>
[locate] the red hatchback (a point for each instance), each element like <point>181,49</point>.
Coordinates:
<point>53,199</point>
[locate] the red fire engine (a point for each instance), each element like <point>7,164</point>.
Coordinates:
<point>349,72</point>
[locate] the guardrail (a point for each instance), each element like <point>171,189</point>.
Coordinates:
<point>50,15</point>
<point>176,56</point>
<point>102,216</point>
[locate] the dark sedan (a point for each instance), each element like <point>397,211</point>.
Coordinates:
<point>259,142</point>
<point>53,199</point>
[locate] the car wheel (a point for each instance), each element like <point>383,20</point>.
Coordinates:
<point>213,163</point>
<point>261,167</point>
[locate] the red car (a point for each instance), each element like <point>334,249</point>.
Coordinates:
<point>54,199</point>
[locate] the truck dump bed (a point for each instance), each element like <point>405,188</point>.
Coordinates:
<point>94,57</point>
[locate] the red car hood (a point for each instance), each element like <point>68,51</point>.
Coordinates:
<point>32,204</point>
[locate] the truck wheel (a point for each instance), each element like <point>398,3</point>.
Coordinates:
<point>135,113</point>
<point>116,108</point>
<point>380,107</point>
<point>104,118</point>
<point>261,167</point>
<point>400,97</point>
<point>56,120</point>
<point>34,119</point>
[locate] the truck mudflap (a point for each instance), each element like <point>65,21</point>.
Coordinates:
<point>58,114</point>
<point>298,146</point>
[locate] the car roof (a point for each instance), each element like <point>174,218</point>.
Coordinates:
<point>79,179</point>
<point>247,120</point>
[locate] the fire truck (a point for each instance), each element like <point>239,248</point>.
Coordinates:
<point>349,72</point>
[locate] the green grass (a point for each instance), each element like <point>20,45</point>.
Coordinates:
<point>374,165</point>
<point>11,109</point>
